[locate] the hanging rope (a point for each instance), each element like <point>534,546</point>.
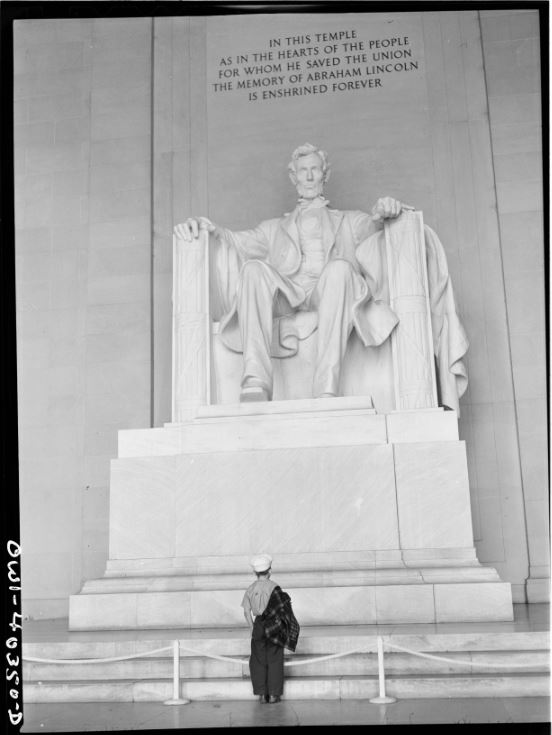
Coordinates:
<point>303,662</point>
<point>457,660</point>
<point>94,660</point>
<point>241,661</point>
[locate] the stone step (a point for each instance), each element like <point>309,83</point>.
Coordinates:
<point>347,687</point>
<point>319,561</point>
<point>362,664</point>
<point>312,641</point>
<point>423,602</point>
<point>260,431</point>
<point>353,676</point>
<point>299,406</point>
<point>349,677</point>
<point>290,580</point>
<point>289,424</point>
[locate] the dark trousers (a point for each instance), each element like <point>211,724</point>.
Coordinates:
<point>266,663</point>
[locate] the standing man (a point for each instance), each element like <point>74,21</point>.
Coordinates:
<point>303,261</point>
<point>267,610</point>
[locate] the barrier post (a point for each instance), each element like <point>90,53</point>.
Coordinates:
<point>176,698</point>
<point>383,698</point>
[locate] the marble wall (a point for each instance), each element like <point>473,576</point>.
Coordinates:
<point>102,134</point>
<point>82,180</point>
<point>511,52</point>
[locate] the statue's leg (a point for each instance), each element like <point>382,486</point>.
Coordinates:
<point>333,298</point>
<point>255,307</point>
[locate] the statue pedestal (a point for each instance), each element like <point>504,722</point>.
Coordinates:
<point>366,515</point>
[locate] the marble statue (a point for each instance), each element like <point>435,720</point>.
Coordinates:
<point>302,262</point>
<point>332,265</point>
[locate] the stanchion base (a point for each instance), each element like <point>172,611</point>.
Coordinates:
<point>177,701</point>
<point>382,700</point>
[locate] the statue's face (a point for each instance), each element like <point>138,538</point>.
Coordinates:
<point>309,176</point>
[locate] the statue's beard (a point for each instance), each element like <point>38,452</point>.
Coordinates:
<point>311,192</point>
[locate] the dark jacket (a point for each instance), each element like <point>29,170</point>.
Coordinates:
<point>279,622</point>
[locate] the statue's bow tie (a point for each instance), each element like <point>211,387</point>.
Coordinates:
<point>317,203</point>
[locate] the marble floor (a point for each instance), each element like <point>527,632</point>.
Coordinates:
<point>526,618</point>
<point>531,713</point>
<point>528,711</point>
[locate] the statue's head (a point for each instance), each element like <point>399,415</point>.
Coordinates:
<point>309,170</point>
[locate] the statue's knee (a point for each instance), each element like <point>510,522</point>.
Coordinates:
<point>256,278</point>
<point>253,271</point>
<point>252,267</point>
<point>337,271</point>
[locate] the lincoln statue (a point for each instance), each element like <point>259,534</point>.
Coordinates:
<point>305,261</point>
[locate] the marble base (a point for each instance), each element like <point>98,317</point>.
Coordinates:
<point>290,424</point>
<point>366,515</point>
<point>538,589</point>
<point>328,605</point>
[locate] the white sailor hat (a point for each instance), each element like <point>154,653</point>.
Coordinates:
<point>261,563</point>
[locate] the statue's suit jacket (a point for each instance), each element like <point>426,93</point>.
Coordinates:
<point>276,242</point>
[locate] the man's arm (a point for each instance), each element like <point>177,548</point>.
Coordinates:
<point>248,618</point>
<point>247,612</point>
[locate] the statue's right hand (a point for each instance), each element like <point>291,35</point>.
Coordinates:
<point>189,229</point>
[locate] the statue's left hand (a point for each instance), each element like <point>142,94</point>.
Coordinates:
<point>388,207</point>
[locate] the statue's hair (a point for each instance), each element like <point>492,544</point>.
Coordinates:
<point>305,150</point>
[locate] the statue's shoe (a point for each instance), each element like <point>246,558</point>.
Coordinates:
<point>253,393</point>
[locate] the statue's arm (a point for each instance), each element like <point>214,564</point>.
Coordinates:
<point>365,225</point>
<point>248,244</point>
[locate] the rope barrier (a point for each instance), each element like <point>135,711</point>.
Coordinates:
<point>287,663</point>
<point>323,658</point>
<point>94,660</point>
<point>215,656</point>
<point>241,661</point>
<point>176,698</point>
<point>176,649</point>
<point>457,660</point>
<point>382,698</point>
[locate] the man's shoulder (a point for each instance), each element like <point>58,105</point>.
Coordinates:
<point>260,583</point>
<point>279,593</point>
<point>251,586</point>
